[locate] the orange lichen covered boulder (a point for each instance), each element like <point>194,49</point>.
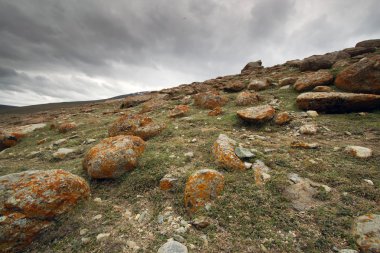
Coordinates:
<point>209,100</point>
<point>167,183</point>
<point>113,156</point>
<point>30,200</point>
<point>257,114</point>
<point>215,112</point>
<point>201,188</point>
<point>224,152</point>
<point>179,111</point>
<point>282,118</point>
<point>137,125</point>
<point>66,127</point>
<point>246,98</point>
<point>8,140</point>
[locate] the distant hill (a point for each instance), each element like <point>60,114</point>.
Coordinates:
<point>4,107</point>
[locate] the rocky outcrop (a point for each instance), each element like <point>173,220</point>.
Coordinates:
<point>317,62</point>
<point>354,51</point>
<point>252,66</point>
<point>201,188</point>
<point>235,86</point>
<point>209,100</point>
<point>137,125</point>
<point>338,102</point>
<point>311,80</point>
<point>369,43</point>
<point>363,76</point>
<point>30,200</point>
<point>8,140</point>
<point>224,153</point>
<point>257,114</point>
<point>113,156</point>
<point>135,100</point>
<point>179,111</point>
<point>247,98</point>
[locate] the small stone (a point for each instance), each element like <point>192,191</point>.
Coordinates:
<point>168,183</point>
<point>308,129</point>
<point>193,140</point>
<point>59,142</point>
<point>142,216</point>
<point>358,151</point>
<point>312,114</point>
<point>200,222</point>
<point>97,200</point>
<point>132,245</point>
<point>189,154</point>
<point>301,144</point>
<point>243,152</point>
<point>247,165</point>
<point>368,181</point>
<point>179,238</point>
<point>181,230</point>
<point>97,217</point>
<point>172,247</point>
<point>295,178</point>
<point>88,141</point>
<point>282,118</point>
<point>85,240</point>
<point>83,231</point>
<point>160,219</point>
<point>63,152</point>
<point>348,251</point>
<point>102,236</point>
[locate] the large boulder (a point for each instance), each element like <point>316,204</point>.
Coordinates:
<point>252,66</point>
<point>317,62</point>
<point>246,98</point>
<point>137,125</point>
<point>354,51</point>
<point>8,140</point>
<point>179,111</point>
<point>134,100</point>
<point>30,200</point>
<point>113,156</point>
<point>287,81</point>
<point>369,43</point>
<point>152,105</point>
<point>235,86</point>
<point>311,80</point>
<point>259,84</point>
<point>363,76</point>
<point>201,188</point>
<point>257,114</point>
<point>209,100</point>
<point>338,101</point>
<point>224,153</point>
<point>366,231</point>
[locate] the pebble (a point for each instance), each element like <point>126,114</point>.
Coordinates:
<point>368,181</point>
<point>308,129</point>
<point>172,247</point>
<point>97,217</point>
<point>312,114</point>
<point>83,231</point>
<point>247,165</point>
<point>97,200</point>
<point>85,240</point>
<point>243,153</point>
<point>132,245</point>
<point>347,251</point>
<point>102,236</point>
<point>189,154</point>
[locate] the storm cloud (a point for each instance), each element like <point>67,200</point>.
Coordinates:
<point>52,51</point>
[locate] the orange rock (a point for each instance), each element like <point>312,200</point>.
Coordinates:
<point>201,188</point>
<point>209,100</point>
<point>137,125</point>
<point>66,127</point>
<point>310,80</point>
<point>134,100</point>
<point>322,89</point>
<point>31,199</point>
<point>282,118</point>
<point>151,105</point>
<point>9,140</point>
<point>247,98</point>
<point>215,112</point>
<point>257,114</point>
<point>224,152</point>
<point>179,111</point>
<point>167,183</point>
<point>113,156</point>
<point>235,86</point>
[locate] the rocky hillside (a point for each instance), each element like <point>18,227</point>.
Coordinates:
<point>278,159</point>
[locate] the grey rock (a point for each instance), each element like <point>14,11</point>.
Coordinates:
<point>243,152</point>
<point>367,233</point>
<point>172,247</point>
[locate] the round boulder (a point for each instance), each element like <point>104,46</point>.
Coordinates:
<point>209,100</point>
<point>246,98</point>
<point>257,114</point>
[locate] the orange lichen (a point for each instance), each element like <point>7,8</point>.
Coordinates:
<point>224,153</point>
<point>215,112</point>
<point>209,100</point>
<point>66,127</point>
<point>167,183</point>
<point>179,111</point>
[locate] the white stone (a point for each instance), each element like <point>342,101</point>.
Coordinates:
<point>358,151</point>
<point>368,181</point>
<point>83,231</point>
<point>308,129</point>
<point>312,114</point>
<point>63,152</point>
<point>247,165</point>
<point>172,247</point>
<point>189,154</point>
<point>102,236</point>
<point>132,245</point>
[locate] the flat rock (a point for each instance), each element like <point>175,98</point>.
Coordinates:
<point>243,153</point>
<point>301,195</point>
<point>179,111</point>
<point>369,43</point>
<point>287,81</point>
<point>308,129</point>
<point>235,86</point>
<point>366,230</point>
<point>63,152</point>
<point>259,84</point>
<point>358,151</point>
<point>172,247</point>
<point>338,102</point>
<point>311,80</point>
<point>257,114</point>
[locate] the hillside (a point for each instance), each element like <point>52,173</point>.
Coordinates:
<point>293,186</point>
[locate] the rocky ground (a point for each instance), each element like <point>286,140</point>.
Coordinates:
<point>232,164</point>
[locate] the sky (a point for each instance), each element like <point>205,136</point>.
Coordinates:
<point>75,50</point>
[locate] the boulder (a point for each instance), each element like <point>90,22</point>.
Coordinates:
<point>215,112</point>
<point>354,51</point>
<point>361,77</point>
<point>152,105</point>
<point>201,188</point>
<point>66,127</point>
<point>311,80</point>
<point>257,114</point>
<point>358,151</point>
<point>209,100</point>
<point>113,156</point>
<point>252,66</point>
<point>259,84</point>
<point>30,200</point>
<point>224,153</point>
<point>172,247</point>
<point>137,125</point>
<point>282,118</point>
<point>246,98</point>
<point>322,89</point>
<point>168,183</point>
<point>294,63</point>
<point>369,43</point>
<point>334,102</point>
<point>179,111</point>
<point>366,231</point>
<point>287,81</point>
<point>317,62</point>
<point>134,100</point>
<point>8,140</point>
<point>235,86</point>
<point>308,129</point>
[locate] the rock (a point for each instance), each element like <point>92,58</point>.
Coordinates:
<point>368,181</point>
<point>301,195</point>
<point>137,125</point>
<point>247,165</point>
<point>132,245</point>
<point>209,100</point>
<point>257,114</point>
<point>103,237</point>
<point>243,153</point>
<point>113,156</point>
<point>308,129</point>
<point>66,127</point>
<point>261,172</point>
<point>179,111</point>
<point>134,100</point>
<point>234,86</point>
<point>31,199</point>
<point>337,102</point>
<point>168,183</point>
<point>317,62</point>
<point>85,240</point>
<point>322,89</point>
<point>282,118</point>
<point>366,231</point>
<point>294,63</point>
<point>8,140</point>
<point>63,152</point>
<point>310,80</point>
<point>259,84</point>
<point>201,188</point>
<point>359,152</point>
<point>354,51</point>
<point>59,142</point>
<point>301,144</point>
<point>189,154</point>
<point>287,81</point>
<point>361,77</point>
<point>369,43</point>
<point>312,113</point>
<point>246,98</point>
<point>295,178</point>
<point>215,112</point>
<point>224,152</point>
<point>29,128</point>
<point>252,66</point>
<point>83,231</point>
<point>172,247</point>
<point>151,105</point>
<point>347,251</point>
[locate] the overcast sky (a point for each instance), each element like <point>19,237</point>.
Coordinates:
<point>69,50</point>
